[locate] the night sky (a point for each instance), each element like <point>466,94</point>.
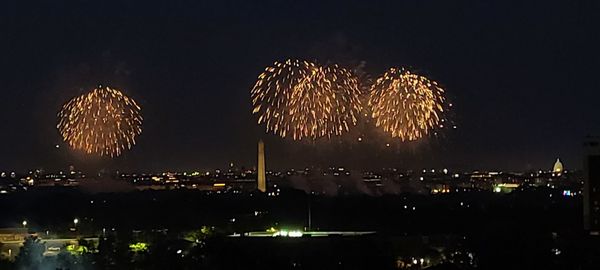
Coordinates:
<point>523,78</point>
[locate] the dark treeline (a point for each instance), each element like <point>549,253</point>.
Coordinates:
<point>468,212</point>
<point>526,229</point>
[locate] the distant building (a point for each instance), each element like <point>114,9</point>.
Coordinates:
<point>11,239</point>
<point>13,234</point>
<point>558,167</point>
<point>591,187</point>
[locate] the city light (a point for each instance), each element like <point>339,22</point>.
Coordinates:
<point>286,233</point>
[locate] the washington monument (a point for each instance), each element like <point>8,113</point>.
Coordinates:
<point>261,177</point>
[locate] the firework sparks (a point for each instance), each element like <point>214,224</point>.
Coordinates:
<point>406,105</point>
<point>103,121</point>
<point>304,100</point>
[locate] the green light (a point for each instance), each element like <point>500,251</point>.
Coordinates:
<point>139,247</point>
<point>76,250</point>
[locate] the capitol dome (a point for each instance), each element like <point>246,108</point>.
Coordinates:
<point>558,166</point>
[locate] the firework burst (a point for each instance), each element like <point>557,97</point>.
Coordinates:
<point>304,100</point>
<point>406,105</point>
<point>103,122</point>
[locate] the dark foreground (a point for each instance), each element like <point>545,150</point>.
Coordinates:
<point>527,229</point>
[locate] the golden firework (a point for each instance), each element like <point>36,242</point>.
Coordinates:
<point>406,105</point>
<point>305,100</point>
<point>103,121</point>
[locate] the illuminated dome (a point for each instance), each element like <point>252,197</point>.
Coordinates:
<point>558,166</point>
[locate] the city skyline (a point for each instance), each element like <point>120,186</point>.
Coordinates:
<point>309,134</point>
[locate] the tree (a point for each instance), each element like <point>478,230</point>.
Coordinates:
<point>67,260</point>
<point>106,251</point>
<point>31,254</point>
<point>89,246</point>
<point>5,263</point>
<point>199,236</point>
<point>114,251</point>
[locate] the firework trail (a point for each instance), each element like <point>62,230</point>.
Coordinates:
<point>305,100</point>
<point>103,122</point>
<point>406,105</point>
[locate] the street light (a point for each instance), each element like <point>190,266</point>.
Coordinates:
<point>75,222</point>
<point>24,223</point>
